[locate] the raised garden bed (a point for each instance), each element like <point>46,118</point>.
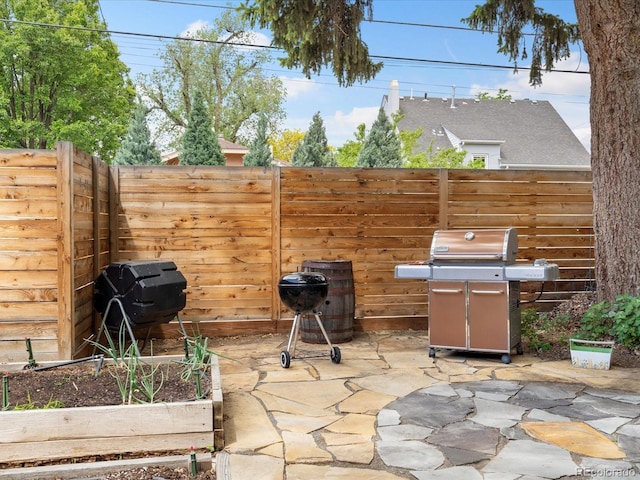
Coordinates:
<point>51,434</point>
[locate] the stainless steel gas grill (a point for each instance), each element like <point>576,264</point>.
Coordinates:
<point>474,289</point>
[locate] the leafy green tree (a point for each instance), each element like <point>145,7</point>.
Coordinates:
<point>60,84</point>
<point>501,95</point>
<point>200,144</point>
<point>609,30</point>
<point>137,147</point>
<point>314,150</point>
<point>347,154</point>
<point>381,147</point>
<point>259,154</point>
<point>233,81</point>
<point>444,158</point>
<point>284,144</point>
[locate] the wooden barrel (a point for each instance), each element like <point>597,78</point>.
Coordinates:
<point>338,311</point>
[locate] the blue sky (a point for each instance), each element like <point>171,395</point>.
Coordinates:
<point>343,109</point>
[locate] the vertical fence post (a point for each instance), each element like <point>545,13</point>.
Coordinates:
<point>95,210</point>
<point>64,153</point>
<point>444,199</point>
<point>276,245</point>
<point>114,211</point>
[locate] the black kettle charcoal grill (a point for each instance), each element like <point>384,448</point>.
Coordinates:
<point>304,293</point>
<point>139,294</point>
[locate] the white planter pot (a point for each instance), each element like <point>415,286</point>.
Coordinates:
<point>591,353</point>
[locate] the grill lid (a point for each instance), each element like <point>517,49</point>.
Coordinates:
<point>497,246</point>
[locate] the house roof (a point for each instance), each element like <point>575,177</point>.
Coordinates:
<point>227,148</point>
<point>530,132</point>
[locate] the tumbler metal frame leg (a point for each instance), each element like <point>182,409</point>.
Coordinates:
<point>127,322</point>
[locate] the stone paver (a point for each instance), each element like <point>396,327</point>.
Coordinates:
<point>468,436</point>
<point>410,454</point>
<point>389,412</point>
<point>365,401</point>
<point>576,437</point>
<point>451,473</point>
<point>319,394</point>
<point>256,467</point>
<point>247,426</point>
<point>358,449</point>
<point>327,472</point>
<point>302,448</point>
<point>526,457</point>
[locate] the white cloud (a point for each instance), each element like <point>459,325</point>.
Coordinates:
<point>341,126</point>
<point>299,86</point>
<point>194,27</point>
<point>257,38</point>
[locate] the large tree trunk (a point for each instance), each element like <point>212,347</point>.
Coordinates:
<point>610,30</point>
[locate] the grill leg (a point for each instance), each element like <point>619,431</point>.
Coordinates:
<point>293,336</point>
<point>324,332</point>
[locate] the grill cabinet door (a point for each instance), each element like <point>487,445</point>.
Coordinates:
<point>447,314</point>
<point>489,316</point>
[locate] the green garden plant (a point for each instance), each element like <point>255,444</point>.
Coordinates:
<point>129,371</point>
<point>541,330</point>
<point>530,330</point>
<point>626,320</point>
<point>147,380</point>
<point>619,321</point>
<point>30,405</point>
<point>596,323</point>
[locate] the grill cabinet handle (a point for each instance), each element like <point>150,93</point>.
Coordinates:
<point>480,256</point>
<point>488,292</point>
<point>446,290</point>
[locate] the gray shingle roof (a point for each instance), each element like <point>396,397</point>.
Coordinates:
<point>532,131</point>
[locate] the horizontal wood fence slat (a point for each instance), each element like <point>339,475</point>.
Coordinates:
<point>233,231</point>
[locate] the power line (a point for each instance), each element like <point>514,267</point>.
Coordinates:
<point>373,20</point>
<point>202,40</point>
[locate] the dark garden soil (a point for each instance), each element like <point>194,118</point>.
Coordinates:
<point>79,386</point>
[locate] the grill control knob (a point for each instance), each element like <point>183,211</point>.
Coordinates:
<point>469,236</point>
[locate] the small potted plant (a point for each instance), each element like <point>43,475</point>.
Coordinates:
<point>592,345</point>
<point>603,325</point>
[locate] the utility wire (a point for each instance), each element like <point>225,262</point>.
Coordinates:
<point>217,42</point>
<point>373,20</point>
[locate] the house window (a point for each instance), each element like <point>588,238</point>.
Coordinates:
<point>480,160</point>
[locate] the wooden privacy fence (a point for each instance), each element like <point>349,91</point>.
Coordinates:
<point>232,231</point>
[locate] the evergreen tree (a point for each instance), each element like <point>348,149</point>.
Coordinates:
<point>259,154</point>
<point>200,144</point>
<point>137,147</point>
<point>314,150</point>
<point>381,147</point>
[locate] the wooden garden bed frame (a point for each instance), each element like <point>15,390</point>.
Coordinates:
<point>37,435</point>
